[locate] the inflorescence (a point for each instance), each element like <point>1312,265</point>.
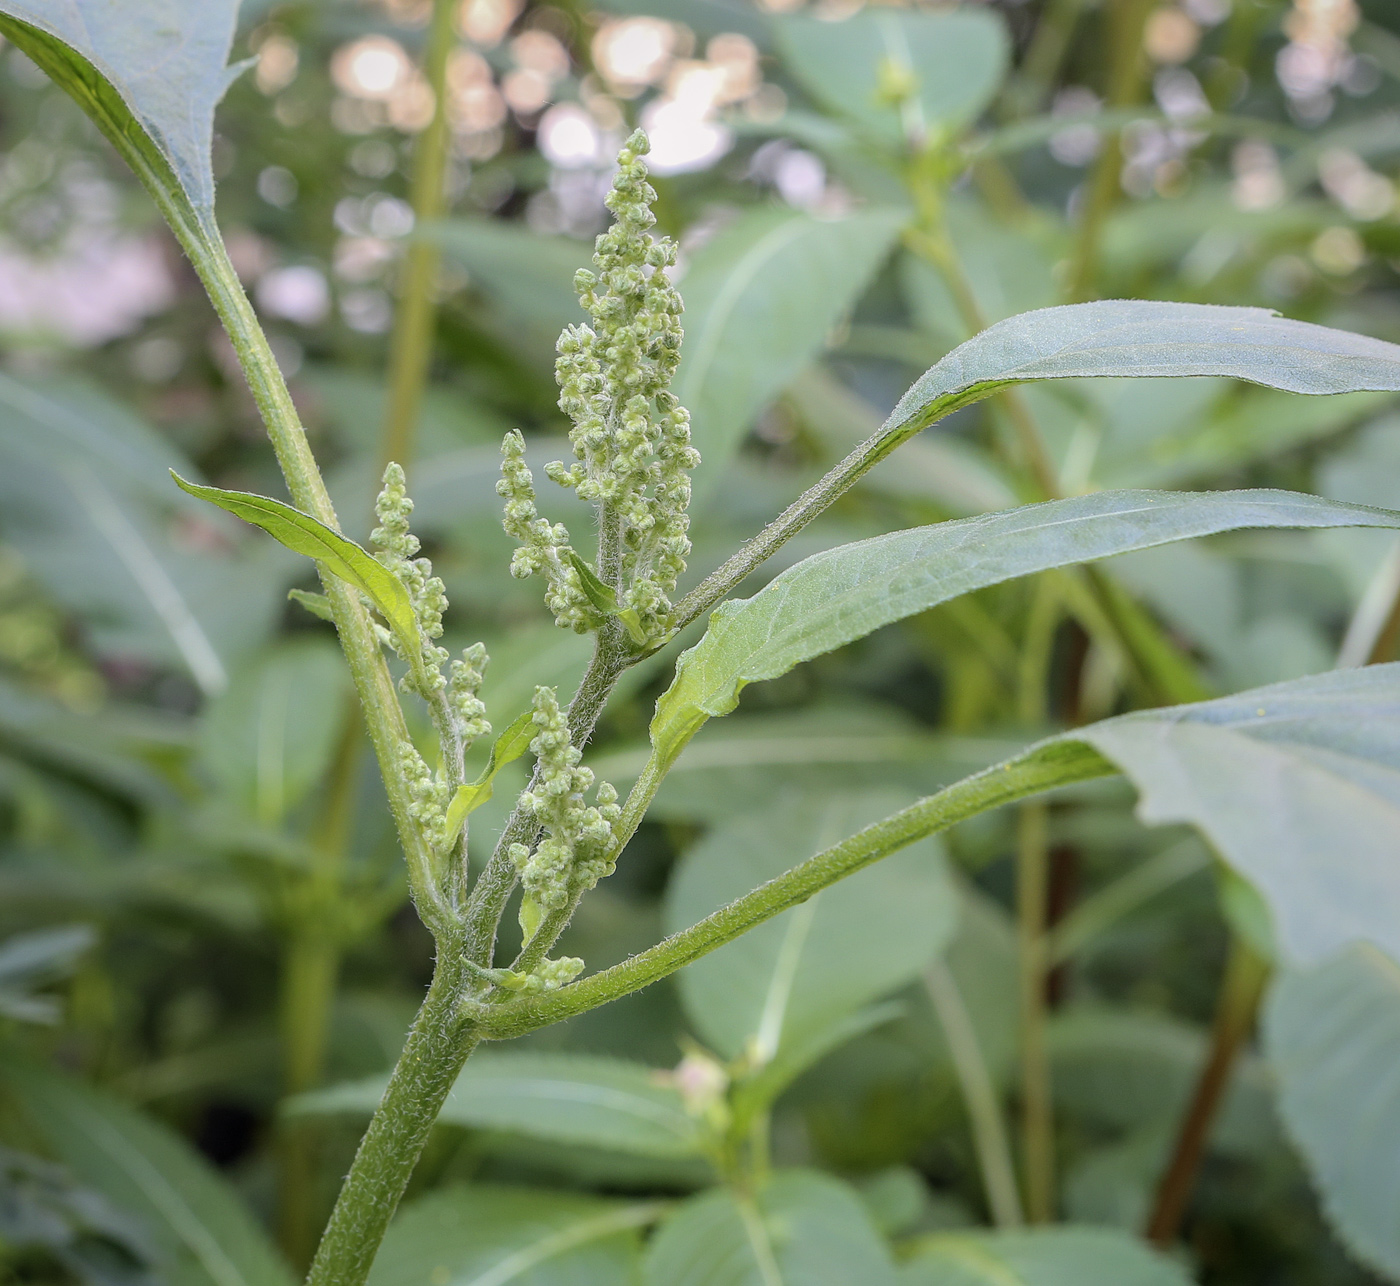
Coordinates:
<point>631,437</point>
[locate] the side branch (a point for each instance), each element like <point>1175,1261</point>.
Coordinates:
<point>1042,768</point>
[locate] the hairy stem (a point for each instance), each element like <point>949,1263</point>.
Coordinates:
<point>1040,769</point>
<point>1246,972</point>
<point>979,1096</point>
<point>411,346</point>
<point>441,1038</point>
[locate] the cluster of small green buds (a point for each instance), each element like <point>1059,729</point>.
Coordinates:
<point>429,796</point>
<point>463,688</point>
<point>396,547</point>
<point>630,435</point>
<point>548,975</point>
<point>576,849</point>
<point>544,547</point>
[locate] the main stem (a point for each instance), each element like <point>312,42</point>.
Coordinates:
<point>411,346</point>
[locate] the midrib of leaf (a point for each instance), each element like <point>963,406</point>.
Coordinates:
<point>775,1002</point>
<point>153,580</point>
<point>970,1255</point>
<point>759,1241</point>
<point>148,1179</point>
<point>60,419</point>
<point>566,1239</point>
<point>716,320</point>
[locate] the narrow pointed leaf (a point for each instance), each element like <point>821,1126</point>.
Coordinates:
<point>1135,337</point>
<point>836,597</point>
<point>151,81</point>
<point>304,534</point>
<point>506,749</point>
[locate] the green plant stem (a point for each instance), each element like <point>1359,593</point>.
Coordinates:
<point>979,1096</point>
<point>1126,20</point>
<point>411,345</point>
<point>310,967</point>
<point>1040,68</point>
<point>1246,973</point>
<point>441,1038</point>
<point>1040,769</point>
<point>1032,898</point>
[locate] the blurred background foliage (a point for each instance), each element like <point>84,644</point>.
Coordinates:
<point>202,912</point>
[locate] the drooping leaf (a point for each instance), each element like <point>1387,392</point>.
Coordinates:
<point>506,749</point>
<point>1039,1257</point>
<point>760,301</point>
<point>905,75</point>
<point>304,534</point>
<point>817,963</point>
<point>568,1098</point>
<point>267,740</point>
<point>151,84</point>
<point>801,1228</point>
<point>197,1221</point>
<point>1297,786</point>
<point>836,597</point>
<point>1332,1034</point>
<point>498,1236</point>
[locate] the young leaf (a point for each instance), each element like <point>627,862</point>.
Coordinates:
<point>496,1236</point>
<point>568,1098</point>
<point>506,749</point>
<point>1333,1039</point>
<point>605,600</point>
<point>317,604</point>
<point>800,1228</point>
<point>810,967</point>
<point>760,301</point>
<point>140,1165</point>
<point>914,75</point>
<point>151,82</point>
<point>836,597</point>
<point>1039,1257</point>
<point>303,534</point>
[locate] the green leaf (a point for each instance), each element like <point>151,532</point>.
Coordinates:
<point>150,84</point>
<point>799,1229</point>
<point>303,534</point>
<point>269,738</point>
<point>1040,1257</point>
<point>85,494</point>
<point>836,597</point>
<point>1297,786</point>
<point>28,960</point>
<point>760,301</point>
<point>494,1236</point>
<point>600,595</point>
<point>568,1098</point>
<point>1137,338</point>
<point>140,1165</point>
<point>812,966</point>
<point>317,604</point>
<point>506,749</point>
<point>951,63</point>
<point>1332,1035</point>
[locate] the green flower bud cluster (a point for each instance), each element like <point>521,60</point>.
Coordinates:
<point>631,437</point>
<point>548,975</point>
<point>395,548</point>
<point>429,796</point>
<point>468,709</point>
<point>544,547</point>
<point>576,850</point>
